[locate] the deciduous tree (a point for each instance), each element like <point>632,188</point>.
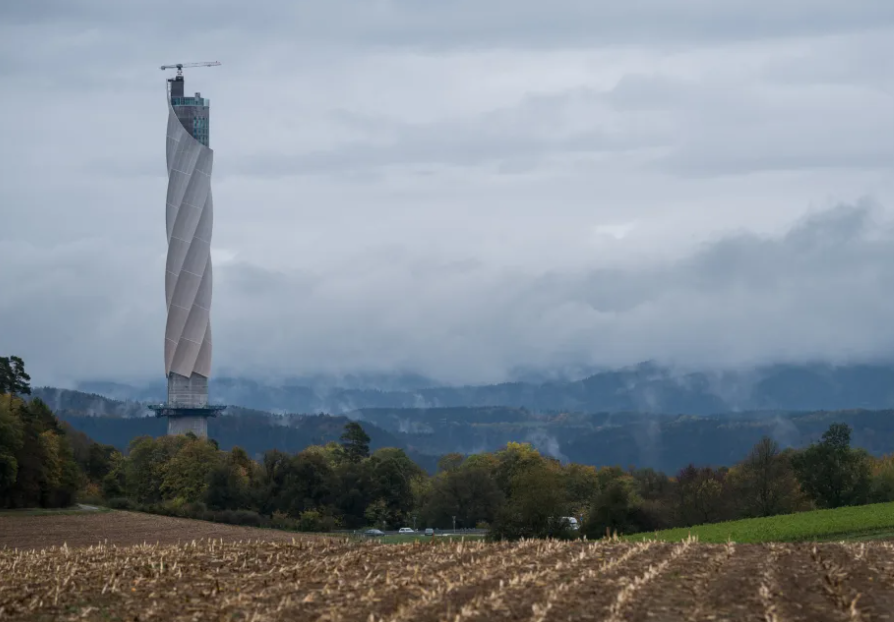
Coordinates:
<point>833,474</point>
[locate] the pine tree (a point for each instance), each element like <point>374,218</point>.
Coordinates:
<point>13,378</point>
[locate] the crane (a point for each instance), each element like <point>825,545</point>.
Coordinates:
<point>180,66</point>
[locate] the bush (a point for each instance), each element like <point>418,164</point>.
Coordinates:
<point>174,507</point>
<point>194,509</point>
<point>282,520</point>
<point>91,494</point>
<point>122,503</point>
<point>248,518</point>
<point>235,517</point>
<point>310,520</point>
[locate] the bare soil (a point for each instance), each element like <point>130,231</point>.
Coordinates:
<point>119,528</point>
<point>278,578</point>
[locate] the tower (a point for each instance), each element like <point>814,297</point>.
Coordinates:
<point>189,215</point>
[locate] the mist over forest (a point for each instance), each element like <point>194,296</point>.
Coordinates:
<point>646,415</point>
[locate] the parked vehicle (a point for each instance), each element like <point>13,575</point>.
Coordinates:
<point>573,525</point>
<point>373,533</point>
<point>429,532</point>
<point>405,530</point>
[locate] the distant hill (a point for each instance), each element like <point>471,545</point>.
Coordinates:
<point>116,423</point>
<point>645,388</point>
<point>666,442</point>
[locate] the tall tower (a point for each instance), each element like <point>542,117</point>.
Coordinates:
<point>188,275</point>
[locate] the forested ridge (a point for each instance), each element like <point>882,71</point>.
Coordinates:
<point>663,442</point>
<point>515,491</point>
<point>644,388</point>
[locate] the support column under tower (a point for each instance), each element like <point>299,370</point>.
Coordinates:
<point>187,409</point>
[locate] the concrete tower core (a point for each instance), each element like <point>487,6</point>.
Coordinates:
<point>188,280</point>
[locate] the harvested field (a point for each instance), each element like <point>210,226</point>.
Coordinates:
<point>119,528</point>
<point>320,579</point>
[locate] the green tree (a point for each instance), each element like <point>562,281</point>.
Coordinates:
<point>355,442</point>
<point>882,480</point>
<point>701,496</point>
<point>310,484</point>
<point>11,441</point>
<point>512,461</point>
<point>535,507</point>
<point>450,462</point>
<point>765,482</point>
<point>354,492</point>
<point>226,488</point>
<point>391,474</point>
<point>833,474</point>
<point>615,508</point>
<point>146,465</point>
<point>13,378</point>
<point>185,474</point>
<point>114,484</point>
<point>470,494</point>
<point>377,513</point>
<point>581,484</point>
<point>39,468</point>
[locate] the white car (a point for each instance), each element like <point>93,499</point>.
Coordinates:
<point>405,530</point>
<point>572,523</point>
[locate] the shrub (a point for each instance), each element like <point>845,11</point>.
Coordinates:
<point>194,509</point>
<point>248,518</point>
<point>121,503</point>
<point>91,493</point>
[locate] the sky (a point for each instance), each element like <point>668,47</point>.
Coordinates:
<point>457,189</point>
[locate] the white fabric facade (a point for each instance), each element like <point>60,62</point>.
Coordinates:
<point>188,276</point>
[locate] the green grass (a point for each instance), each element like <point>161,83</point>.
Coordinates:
<point>866,522</point>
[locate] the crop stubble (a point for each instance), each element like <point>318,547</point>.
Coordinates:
<point>331,580</point>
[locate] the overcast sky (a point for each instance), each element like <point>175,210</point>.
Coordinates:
<point>455,188</point>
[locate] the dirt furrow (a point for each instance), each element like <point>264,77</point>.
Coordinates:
<point>62,577</point>
<point>528,594</point>
<point>628,594</point>
<point>361,580</point>
<point>390,586</point>
<point>680,591</point>
<point>574,591</point>
<point>867,576</point>
<point>726,588</point>
<point>443,598</point>
<point>532,581</point>
<point>807,589</point>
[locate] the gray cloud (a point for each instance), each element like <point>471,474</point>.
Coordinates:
<point>469,22</point>
<point>457,189</point>
<point>738,301</point>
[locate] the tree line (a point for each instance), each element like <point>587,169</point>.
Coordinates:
<point>514,492</point>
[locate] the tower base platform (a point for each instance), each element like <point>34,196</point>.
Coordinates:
<point>186,419</point>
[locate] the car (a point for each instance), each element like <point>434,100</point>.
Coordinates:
<point>373,533</point>
<point>405,530</point>
<point>429,532</point>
